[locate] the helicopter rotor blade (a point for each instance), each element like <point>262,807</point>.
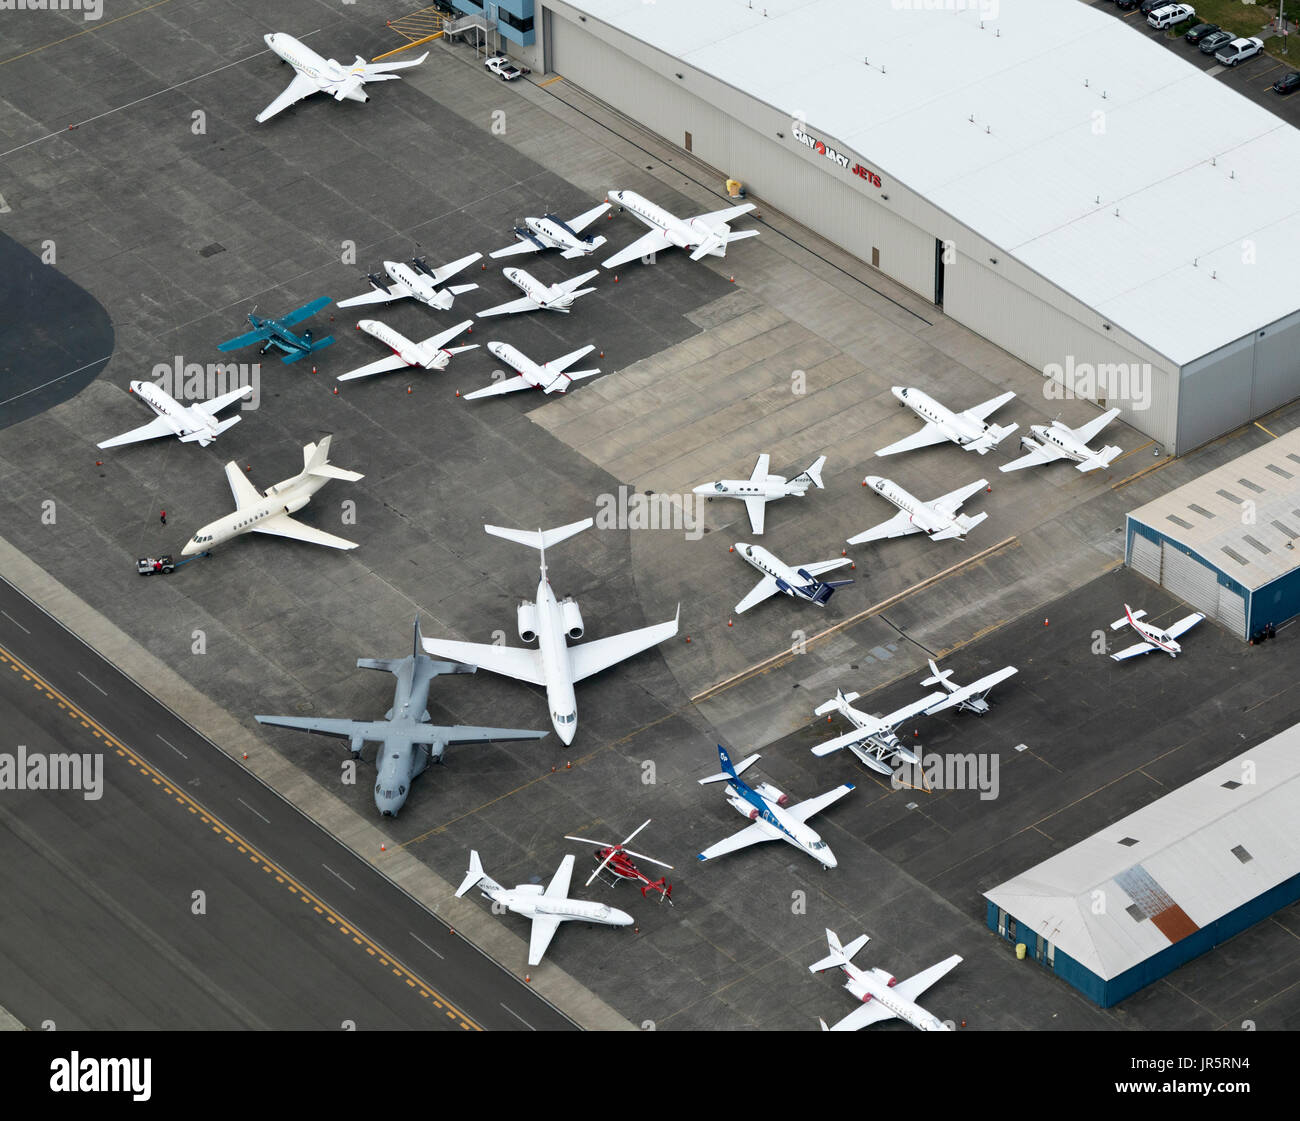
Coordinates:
<point>642,856</point>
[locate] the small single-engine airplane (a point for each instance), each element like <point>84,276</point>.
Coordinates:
<point>938,519</point>
<point>883,996</point>
<point>1153,638</point>
<point>617,858</point>
<point>797,582</point>
<point>772,816</point>
<point>407,741</point>
<point>415,281</point>
<point>431,354</point>
<point>874,739</point>
<point>972,697</point>
<point>552,232</point>
<point>1059,441</point>
<point>314,74</point>
<point>547,908</point>
<point>269,513</point>
<point>703,235</point>
<point>549,377</point>
<point>968,430</point>
<point>275,332</point>
<point>193,424</point>
<point>541,297</point>
<point>761,488</point>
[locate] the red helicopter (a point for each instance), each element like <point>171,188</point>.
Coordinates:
<point>615,857</point>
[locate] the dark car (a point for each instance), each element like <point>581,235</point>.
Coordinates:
<point>1288,83</point>
<point>1146,7</point>
<point>1126,5</point>
<point>1214,40</point>
<point>1200,31</point>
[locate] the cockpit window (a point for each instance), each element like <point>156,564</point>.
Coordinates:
<point>718,486</point>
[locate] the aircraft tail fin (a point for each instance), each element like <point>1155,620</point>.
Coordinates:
<point>813,475</point>
<point>839,955</point>
<point>540,539</point>
<point>838,703</point>
<point>1100,459</point>
<point>475,875</point>
<point>315,461</point>
<point>459,289</point>
<point>730,771</point>
<point>205,436</point>
<point>939,677</point>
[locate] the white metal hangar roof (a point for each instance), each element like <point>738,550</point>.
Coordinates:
<point>1208,515</point>
<point>1197,172</point>
<point>1176,865</point>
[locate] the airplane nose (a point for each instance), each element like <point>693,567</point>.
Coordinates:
<point>269,40</point>
<point>566,732</point>
<point>872,481</point>
<point>898,391</point>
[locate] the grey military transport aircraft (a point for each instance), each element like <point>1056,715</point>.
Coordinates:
<point>407,741</point>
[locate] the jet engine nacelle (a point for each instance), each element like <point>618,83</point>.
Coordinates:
<point>770,792</point>
<point>888,978</point>
<point>527,619</point>
<point>571,617</point>
<point>295,504</point>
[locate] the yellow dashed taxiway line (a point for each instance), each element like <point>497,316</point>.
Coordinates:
<point>231,837</point>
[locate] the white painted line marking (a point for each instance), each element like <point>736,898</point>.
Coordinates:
<point>53,380</point>
<point>1022,747</point>
<point>336,876</point>
<point>89,682</point>
<point>426,945</point>
<point>174,748</point>
<point>251,810</point>
<point>517,1016</point>
<point>15,622</point>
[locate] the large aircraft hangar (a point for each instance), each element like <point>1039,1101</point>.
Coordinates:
<point>1228,543</point>
<point>1012,164</point>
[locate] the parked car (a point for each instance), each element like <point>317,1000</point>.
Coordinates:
<point>1170,16</point>
<point>1146,7</point>
<point>1200,31</point>
<point>504,69</point>
<point>1214,40</point>
<point>1126,5</point>
<point>1286,84</point>
<point>1238,51</point>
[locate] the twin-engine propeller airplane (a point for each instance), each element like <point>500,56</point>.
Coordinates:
<point>552,232</point>
<point>1059,441</point>
<point>415,281</point>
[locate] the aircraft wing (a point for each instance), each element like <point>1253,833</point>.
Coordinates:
<point>765,589</point>
<point>983,411</point>
<point>951,502</point>
<point>523,245</point>
<point>342,729</point>
<point>1184,624</point>
<point>511,308</point>
<point>750,835</point>
<point>760,469</point>
<point>371,69</point>
<point>592,657</point>
<point>438,341</point>
<point>727,215</point>
<point>247,339</point>
<point>558,888</point>
<point>449,270</point>
<point>159,426</point>
<point>812,806</point>
<point>510,661</point>
<point>652,242</point>
<point>582,221</point>
<point>897,526</point>
<point>914,986</point>
<point>505,385</point>
<point>928,703</point>
<point>1086,432</point>
<point>300,87</point>
<point>380,366</point>
<point>974,689</point>
<point>757,509</point>
<point>576,282</point>
<point>1133,651</point>
<point>374,296</point>
<point>1038,454</point>
<point>929,435</point>
<point>872,1012</point>
<point>816,568</point>
<point>306,311</point>
<point>563,363</point>
<point>544,928</point>
<point>245,493</point>
<point>284,526</point>
<point>216,404</point>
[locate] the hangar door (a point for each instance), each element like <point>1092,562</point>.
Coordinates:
<point>1198,584</point>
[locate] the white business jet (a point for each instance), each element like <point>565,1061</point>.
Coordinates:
<point>771,813</point>
<point>551,622</point>
<point>314,74</point>
<point>541,297</point>
<point>968,429</point>
<point>549,377</point>
<point>193,424</point>
<point>704,235</point>
<point>415,281</point>
<point>1059,441</point>
<point>269,513</point>
<point>883,996</point>
<point>431,354</point>
<point>547,908</point>
<point>939,519</point>
<point>1153,638</point>
<point>552,232</point>
<point>761,488</point>
<point>799,583</point>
